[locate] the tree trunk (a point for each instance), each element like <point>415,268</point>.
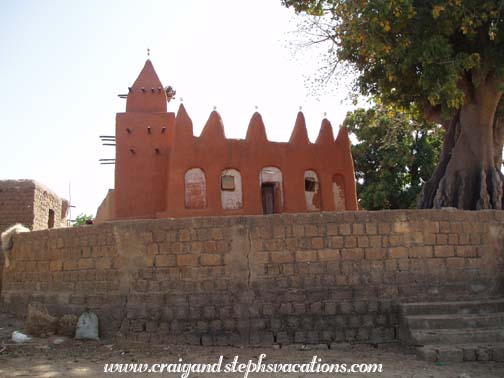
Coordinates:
<point>468,175</point>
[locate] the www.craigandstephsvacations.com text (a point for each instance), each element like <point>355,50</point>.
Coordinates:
<point>185,369</point>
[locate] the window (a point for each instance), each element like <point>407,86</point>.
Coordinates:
<point>310,184</point>
<point>227,183</point>
<point>50,220</point>
<point>312,191</point>
<point>271,190</point>
<point>195,189</point>
<point>231,189</point>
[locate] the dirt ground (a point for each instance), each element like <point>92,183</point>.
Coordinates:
<point>71,358</point>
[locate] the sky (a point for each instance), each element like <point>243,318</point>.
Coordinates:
<point>63,63</point>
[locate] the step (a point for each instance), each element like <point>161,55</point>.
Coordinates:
<point>450,321</point>
<point>462,352</point>
<point>457,336</point>
<point>481,307</point>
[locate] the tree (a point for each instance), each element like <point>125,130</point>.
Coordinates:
<point>395,154</point>
<point>83,219</point>
<point>444,56</point>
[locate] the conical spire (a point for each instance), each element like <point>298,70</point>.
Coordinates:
<point>214,128</point>
<point>256,131</point>
<point>299,133</point>
<point>147,93</point>
<point>147,78</point>
<point>326,135</point>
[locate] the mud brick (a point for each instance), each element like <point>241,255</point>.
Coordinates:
<point>336,242</point>
<point>466,251</point>
<point>469,353</point>
<point>184,235</point>
<point>455,263</point>
<point>332,229</point>
<point>391,265</point>
<point>350,242</point>
<point>291,243</point>
<point>328,255</point>
<point>286,308</point>
<point>442,239</point>
<point>375,241</point>
<point>210,259</point>
<point>419,252</point>
<point>363,241</point>
<point>197,247</point>
<point>375,253</point>
<point>498,353</point>
<point>484,353</point>
<point>427,353</point>
<point>165,260</point>
<point>187,260</point>
<point>70,265</point>
<point>352,254</point>
<point>299,308</point>
<point>262,257</point>
<point>56,265</point>
<point>330,308</point>
<point>316,308</point>
<point>345,229</point>
<point>317,243</point>
<point>444,251</point>
<point>210,246</point>
<point>298,230</point>
<point>103,263</point>
<point>398,253</point>
<point>282,257</point>
<point>358,229</point>
<point>307,255</point>
<point>401,227</point>
<point>311,230</point>
<point>453,239</point>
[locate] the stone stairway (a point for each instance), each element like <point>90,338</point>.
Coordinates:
<point>454,331</point>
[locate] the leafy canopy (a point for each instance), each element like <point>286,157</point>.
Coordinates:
<point>82,219</point>
<point>414,51</point>
<point>395,154</point>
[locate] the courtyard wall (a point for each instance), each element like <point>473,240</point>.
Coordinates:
<point>289,278</point>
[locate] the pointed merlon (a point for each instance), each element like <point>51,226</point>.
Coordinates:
<point>343,138</point>
<point>326,135</point>
<point>183,122</point>
<point>256,131</point>
<point>141,100</point>
<point>214,128</point>
<point>299,133</point>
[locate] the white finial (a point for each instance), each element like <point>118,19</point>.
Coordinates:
<point>325,114</point>
<point>215,107</point>
<point>256,107</point>
<point>181,99</point>
<point>300,108</point>
<point>148,52</point>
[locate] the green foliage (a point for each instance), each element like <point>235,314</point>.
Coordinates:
<point>414,51</point>
<point>395,154</point>
<point>82,219</point>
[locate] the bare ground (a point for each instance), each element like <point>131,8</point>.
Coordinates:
<point>72,358</point>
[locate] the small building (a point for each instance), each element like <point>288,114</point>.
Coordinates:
<point>32,204</point>
<point>162,170</point>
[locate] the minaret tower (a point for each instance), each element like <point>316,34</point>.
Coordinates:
<point>144,134</point>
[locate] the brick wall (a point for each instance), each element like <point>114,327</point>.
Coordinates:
<point>290,278</point>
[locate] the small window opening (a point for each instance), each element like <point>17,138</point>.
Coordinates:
<point>310,184</point>
<point>50,221</point>
<point>228,183</point>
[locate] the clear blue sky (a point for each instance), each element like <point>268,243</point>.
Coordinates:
<point>62,64</point>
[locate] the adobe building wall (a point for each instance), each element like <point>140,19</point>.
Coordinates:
<point>162,170</point>
<point>290,278</point>
<point>29,202</point>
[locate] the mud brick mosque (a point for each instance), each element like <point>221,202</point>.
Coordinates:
<point>162,170</point>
